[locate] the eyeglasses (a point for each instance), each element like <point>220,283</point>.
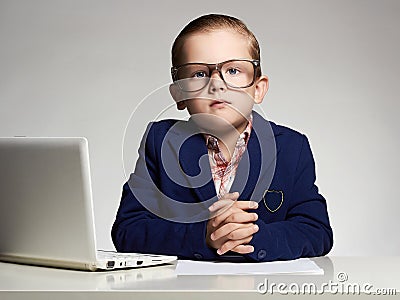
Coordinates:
<point>236,73</point>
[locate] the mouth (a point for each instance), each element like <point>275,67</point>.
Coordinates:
<point>219,103</point>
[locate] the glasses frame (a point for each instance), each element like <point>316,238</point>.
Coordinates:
<point>216,67</point>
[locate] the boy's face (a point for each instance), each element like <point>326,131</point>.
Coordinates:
<point>217,104</point>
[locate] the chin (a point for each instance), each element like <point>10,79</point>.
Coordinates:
<point>217,125</point>
<point>212,123</point>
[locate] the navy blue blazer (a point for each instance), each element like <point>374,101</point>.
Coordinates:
<point>164,203</point>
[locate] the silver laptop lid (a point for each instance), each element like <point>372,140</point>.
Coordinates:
<point>46,199</point>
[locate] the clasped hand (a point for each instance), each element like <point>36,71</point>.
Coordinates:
<point>231,227</point>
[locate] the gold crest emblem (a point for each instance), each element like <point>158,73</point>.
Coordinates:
<point>273,200</point>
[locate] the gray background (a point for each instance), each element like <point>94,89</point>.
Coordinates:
<point>79,68</point>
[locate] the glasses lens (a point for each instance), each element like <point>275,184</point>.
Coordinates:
<point>238,73</point>
<point>193,77</point>
<point>235,73</point>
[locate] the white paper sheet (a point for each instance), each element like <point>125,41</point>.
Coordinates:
<point>298,266</point>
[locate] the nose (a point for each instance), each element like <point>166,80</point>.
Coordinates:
<point>217,84</point>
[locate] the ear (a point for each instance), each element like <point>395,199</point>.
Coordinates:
<point>176,94</point>
<point>261,88</point>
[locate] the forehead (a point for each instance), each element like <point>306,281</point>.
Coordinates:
<point>215,46</point>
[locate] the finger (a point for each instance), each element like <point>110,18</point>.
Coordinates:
<point>227,199</point>
<point>231,244</point>
<point>245,205</point>
<point>239,217</point>
<point>221,205</point>
<point>242,233</point>
<point>221,216</point>
<point>234,231</point>
<point>224,231</point>
<point>234,215</point>
<point>243,249</point>
<point>233,195</point>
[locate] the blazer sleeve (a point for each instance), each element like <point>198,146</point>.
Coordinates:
<point>136,229</point>
<point>306,231</point>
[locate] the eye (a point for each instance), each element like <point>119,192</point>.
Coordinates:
<point>233,71</point>
<point>200,74</point>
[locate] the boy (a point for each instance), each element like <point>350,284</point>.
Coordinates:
<point>226,184</point>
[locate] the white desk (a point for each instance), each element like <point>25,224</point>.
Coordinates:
<point>30,282</point>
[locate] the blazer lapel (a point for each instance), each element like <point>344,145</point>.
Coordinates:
<point>193,159</point>
<point>257,166</point>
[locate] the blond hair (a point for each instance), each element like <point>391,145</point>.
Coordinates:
<point>211,22</point>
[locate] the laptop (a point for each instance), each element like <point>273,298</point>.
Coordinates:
<point>46,207</point>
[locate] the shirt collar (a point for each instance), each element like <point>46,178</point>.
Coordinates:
<point>246,132</point>
<point>212,141</point>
